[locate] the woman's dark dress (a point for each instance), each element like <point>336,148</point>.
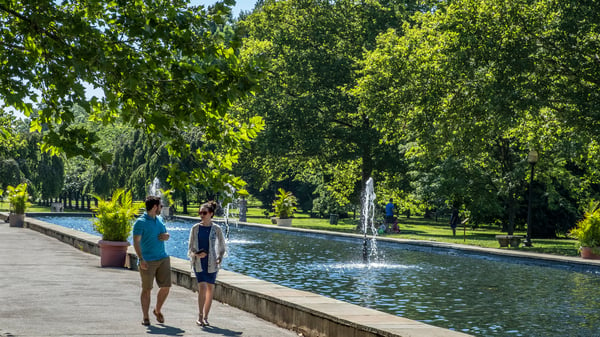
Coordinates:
<point>204,243</point>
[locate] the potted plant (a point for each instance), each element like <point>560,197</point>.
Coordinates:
<point>113,219</point>
<point>18,199</point>
<point>587,232</point>
<point>284,207</point>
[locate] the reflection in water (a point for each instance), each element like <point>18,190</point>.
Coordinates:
<point>479,296</point>
<point>585,304</point>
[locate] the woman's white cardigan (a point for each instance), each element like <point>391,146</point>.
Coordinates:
<point>216,248</point>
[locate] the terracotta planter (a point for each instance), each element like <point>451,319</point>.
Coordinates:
<point>586,253</point>
<point>284,222</point>
<point>16,220</point>
<point>113,253</point>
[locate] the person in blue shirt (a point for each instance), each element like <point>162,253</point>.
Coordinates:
<point>149,236</point>
<point>389,212</point>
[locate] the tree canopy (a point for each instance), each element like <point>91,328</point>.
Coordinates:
<point>439,101</point>
<point>470,85</point>
<point>311,51</point>
<point>162,67</point>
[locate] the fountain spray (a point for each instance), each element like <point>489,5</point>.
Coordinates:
<point>367,217</point>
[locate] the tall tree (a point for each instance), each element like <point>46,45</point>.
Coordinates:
<point>311,49</point>
<point>469,83</point>
<point>44,172</point>
<point>10,143</point>
<point>162,67</point>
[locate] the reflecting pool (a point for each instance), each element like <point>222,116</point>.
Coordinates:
<point>479,295</point>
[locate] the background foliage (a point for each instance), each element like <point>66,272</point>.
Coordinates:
<point>440,102</point>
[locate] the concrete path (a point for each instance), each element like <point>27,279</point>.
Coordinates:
<point>48,288</point>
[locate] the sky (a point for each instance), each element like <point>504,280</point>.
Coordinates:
<point>240,5</point>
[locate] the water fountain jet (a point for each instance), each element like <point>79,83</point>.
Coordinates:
<point>367,218</point>
<point>230,205</point>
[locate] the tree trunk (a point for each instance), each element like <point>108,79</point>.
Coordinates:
<point>512,210</point>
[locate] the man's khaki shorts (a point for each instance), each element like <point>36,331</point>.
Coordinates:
<point>161,270</point>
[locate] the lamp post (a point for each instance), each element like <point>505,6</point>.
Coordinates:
<point>532,160</point>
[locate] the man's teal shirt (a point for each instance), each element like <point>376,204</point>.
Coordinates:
<point>149,228</point>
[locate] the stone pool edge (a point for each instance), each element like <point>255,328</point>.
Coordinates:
<point>304,312</point>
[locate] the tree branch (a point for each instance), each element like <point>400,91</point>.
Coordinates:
<point>33,24</point>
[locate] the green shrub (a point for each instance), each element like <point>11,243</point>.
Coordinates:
<point>18,198</point>
<point>284,204</point>
<point>587,231</point>
<point>114,217</point>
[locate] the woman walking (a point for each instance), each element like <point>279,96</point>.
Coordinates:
<point>206,251</point>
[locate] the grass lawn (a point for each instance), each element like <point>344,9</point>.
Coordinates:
<point>416,228</point>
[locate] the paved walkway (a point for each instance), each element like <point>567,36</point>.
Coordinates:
<point>48,288</point>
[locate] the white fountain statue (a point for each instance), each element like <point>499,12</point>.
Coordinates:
<point>154,189</point>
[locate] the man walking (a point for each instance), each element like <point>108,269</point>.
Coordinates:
<point>389,212</point>
<point>149,236</point>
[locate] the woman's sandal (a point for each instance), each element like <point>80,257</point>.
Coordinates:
<point>145,322</point>
<point>205,322</point>
<point>200,321</point>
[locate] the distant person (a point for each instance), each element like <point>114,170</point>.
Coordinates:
<point>206,251</point>
<point>395,227</point>
<point>389,212</point>
<point>454,220</point>
<point>149,236</point>
<point>382,229</point>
